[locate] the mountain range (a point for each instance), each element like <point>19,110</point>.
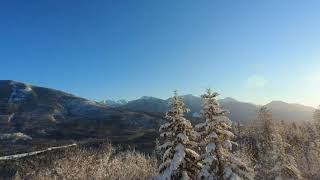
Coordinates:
<point>238,111</point>
<point>32,117</point>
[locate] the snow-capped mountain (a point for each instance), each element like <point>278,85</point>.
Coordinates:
<point>114,103</point>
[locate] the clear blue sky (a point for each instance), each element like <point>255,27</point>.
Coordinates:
<point>254,51</point>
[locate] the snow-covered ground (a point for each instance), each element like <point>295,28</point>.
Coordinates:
<point>17,156</point>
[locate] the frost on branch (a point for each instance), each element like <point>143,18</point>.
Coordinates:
<point>215,141</point>
<point>179,158</point>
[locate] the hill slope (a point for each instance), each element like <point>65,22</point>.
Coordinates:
<point>44,113</point>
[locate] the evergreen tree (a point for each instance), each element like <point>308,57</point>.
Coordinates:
<point>179,158</point>
<point>310,156</point>
<point>274,162</point>
<point>316,117</point>
<point>215,141</point>
<point>295,137</point>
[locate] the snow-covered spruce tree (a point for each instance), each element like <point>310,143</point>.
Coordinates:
<point>215,143</point>
<point>179,159</point>
<point>273,161</point>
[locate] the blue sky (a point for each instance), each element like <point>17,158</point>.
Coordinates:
<point>254,51</point>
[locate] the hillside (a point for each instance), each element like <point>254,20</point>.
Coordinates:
<point>45,114</point>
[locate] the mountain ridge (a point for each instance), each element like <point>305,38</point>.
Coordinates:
<point>238,110</point>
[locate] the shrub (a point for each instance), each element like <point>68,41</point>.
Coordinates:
<point>83,164</point>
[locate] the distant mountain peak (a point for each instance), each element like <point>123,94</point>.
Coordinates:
<point>228,99</point>
<point>114,103</point>
<point>147,97</point>
<point>278,102</point>
<point>122,101</point>
<point>188,95</point>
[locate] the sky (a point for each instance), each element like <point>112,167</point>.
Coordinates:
<point>254,51</point>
